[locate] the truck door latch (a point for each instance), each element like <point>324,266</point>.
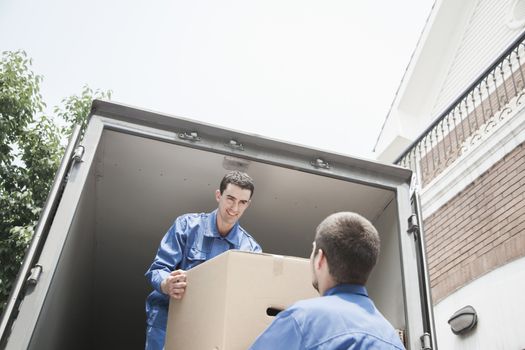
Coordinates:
<point>192,136</point>
<point>235,145</point>
<point>320,164</point>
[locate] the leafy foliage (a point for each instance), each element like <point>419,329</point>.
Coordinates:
<point>75,108</point>
<point>31,146</point>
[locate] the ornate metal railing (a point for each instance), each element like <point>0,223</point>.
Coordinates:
<point>483,105</point>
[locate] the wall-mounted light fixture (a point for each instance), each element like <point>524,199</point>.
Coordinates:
<point>464,320</point>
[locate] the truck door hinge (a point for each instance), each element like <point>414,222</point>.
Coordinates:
<point>425,342</point>
<point>320,164</point>
<point>413,225</point>
<point>34,276</point>
<point>78,153</point>
<point>76,157</point>
<point>192,136</point>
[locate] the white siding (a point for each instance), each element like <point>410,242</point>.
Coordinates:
<point>485,37</point>
<point>498,300</point>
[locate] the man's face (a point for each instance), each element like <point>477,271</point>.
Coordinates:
<point>315,281</point>
<point>232,203</point>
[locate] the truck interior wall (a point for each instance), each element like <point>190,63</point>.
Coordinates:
<point>126,218</point>
<point>385,284</point>
<point>66,320</point>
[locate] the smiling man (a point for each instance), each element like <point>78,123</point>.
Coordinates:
<point>193,239</point>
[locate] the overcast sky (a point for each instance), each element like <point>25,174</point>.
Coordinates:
<point>317,73</point>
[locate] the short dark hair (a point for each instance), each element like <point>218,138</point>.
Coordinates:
<point>351,246</point>
<point>237,178</point>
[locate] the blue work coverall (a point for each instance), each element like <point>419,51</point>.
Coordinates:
<point>344,318</point>
<point>191,240</point>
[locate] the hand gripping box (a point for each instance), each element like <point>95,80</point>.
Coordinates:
<point>231,298</point>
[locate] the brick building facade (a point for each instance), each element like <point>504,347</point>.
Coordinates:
<point>480,228</point>
<point>458,121</point>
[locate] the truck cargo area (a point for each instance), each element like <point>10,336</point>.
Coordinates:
<point>94,258</point>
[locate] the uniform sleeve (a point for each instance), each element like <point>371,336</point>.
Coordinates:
<point>283,333</point>
<point>169,254</point>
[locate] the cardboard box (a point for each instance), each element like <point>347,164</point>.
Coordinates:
<point>229,298</point>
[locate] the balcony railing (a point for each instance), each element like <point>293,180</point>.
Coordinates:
<point>483,105</point>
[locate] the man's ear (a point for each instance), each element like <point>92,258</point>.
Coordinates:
<point>217,195</point>
<point>319,260</point>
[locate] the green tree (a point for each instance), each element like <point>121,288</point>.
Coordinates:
<point>31,146</point>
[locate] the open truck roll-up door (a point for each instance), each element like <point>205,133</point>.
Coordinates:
<point>141,169</point>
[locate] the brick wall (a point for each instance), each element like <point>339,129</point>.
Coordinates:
<point>480,229</point>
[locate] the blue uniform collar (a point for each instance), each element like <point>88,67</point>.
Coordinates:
<point>347,288</point>
<point>212,231</point>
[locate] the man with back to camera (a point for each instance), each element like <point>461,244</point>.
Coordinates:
<point>345,250</point>
<point>193,239</point>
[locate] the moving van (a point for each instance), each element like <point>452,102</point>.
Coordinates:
<point>120,187</point>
